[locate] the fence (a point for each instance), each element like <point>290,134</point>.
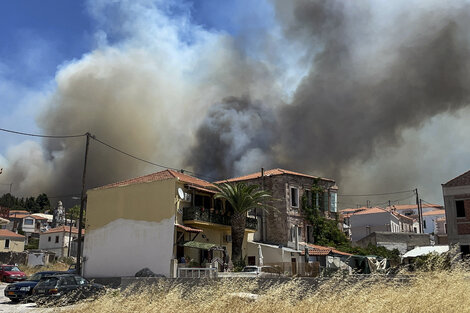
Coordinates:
<point>188,272</point>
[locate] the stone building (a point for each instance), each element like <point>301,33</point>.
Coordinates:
<point>285,224</point>
<point>456,194</point>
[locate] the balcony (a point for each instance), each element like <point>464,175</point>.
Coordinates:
<point>205,215</point>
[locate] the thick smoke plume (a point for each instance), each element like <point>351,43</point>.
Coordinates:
<point>367,73</point>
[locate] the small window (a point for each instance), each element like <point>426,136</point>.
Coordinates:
<point>465,250</point>
<point>49,239</point>
<point>294,197</point>
<point>424,224</point>
<point>28,221</point>
<point>308,197</point>
<point>460,208</point>
<point>56,239</point>
<point>7,243</point>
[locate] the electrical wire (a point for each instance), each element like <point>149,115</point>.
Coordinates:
<point>378,194</point>
<point>38,135</point>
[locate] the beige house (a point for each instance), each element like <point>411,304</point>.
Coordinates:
<point>10,241</point>
<point>155,221</point>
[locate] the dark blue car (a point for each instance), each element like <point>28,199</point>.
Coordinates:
<point>21,290</point>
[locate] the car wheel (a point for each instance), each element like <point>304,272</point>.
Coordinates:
<point>15,300</point>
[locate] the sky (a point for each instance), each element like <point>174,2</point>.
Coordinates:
<point>222,88</point>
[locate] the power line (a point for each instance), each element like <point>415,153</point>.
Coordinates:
<point>38,135</point>
<point>146,161</point>
<point>378,194</point>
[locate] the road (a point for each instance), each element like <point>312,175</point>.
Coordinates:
<point>6,306</point>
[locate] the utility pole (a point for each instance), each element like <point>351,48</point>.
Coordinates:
<point>82,204</point>
<point>420,217</point>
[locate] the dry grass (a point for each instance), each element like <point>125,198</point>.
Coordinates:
<point>438,291</point>
<point>59,266</point>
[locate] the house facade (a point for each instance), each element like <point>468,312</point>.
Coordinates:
<point>58,239</point>
<point>30,224</point>
<point>285,224</point>
<point>456,194</point>
<point>155,221</point>
<point>10,241</point>
<point>362,222</point>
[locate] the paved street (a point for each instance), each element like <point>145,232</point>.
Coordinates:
<point>8,307</point>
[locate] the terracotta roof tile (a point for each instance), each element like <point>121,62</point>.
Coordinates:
<point>273,172</point>
<point>9,234</point>
<point>399,207</point>
<point>61,229</point>
<point>461,180</point>
<point>321,250</point>
<point>163,175</point>
<point>435,212</point>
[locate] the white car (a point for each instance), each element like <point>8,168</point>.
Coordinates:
<point>261,271</point>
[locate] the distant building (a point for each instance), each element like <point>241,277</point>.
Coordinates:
<point>362,222</point>
<point>456,194</point>
<point>395,240</point>
<point>57,240</point>
<point>10,241</point>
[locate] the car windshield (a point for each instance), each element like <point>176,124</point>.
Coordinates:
<point>37,276</point>
<point>250,269</point>
<point>48,282</point>
<point>11,269</point>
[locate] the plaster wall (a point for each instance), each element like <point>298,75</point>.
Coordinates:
<point>15,245</point>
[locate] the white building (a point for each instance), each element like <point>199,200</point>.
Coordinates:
<point>430,220</point>
<point>365,221</point>
<point>57,239</point>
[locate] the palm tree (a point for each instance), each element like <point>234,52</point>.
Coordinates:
<point>242,198</point>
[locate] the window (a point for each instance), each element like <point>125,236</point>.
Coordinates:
<point>424,223</point>
<point>308,197</point>
<point>459,204</point>
<point>56,239</point>
<point>49,239</point>
<point>28,221</point>
<point>465,250</point>
<point>7,243</point>
<point>333,202</point>
<point>294,197</point>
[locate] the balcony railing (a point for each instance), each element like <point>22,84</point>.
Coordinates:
<point>205,215</point>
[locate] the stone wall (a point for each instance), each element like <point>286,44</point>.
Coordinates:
<point>13,257</point>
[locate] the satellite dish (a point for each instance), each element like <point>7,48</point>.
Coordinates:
<point>181,193</point>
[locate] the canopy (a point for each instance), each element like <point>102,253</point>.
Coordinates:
<point>200,245</point>
<point>419,251</point>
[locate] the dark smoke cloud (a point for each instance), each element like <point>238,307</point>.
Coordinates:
<point>338,114</point>
<point>235,137</point>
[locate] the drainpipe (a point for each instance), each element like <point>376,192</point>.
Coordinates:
<point>263,213</point>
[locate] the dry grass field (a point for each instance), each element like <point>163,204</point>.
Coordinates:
<point>433,291</point>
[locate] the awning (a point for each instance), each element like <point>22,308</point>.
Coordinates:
<point>188,229</point>
<point>200,245</point>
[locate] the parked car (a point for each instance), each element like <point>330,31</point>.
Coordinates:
<point>11,273</point>
<point>72,269</point>
<point>261,271</point>
<point>22,290</point>
<point>67,287</point>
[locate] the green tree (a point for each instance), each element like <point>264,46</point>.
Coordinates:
<point>31,205</point>
<point>43,203</point>
<point>242,198</point>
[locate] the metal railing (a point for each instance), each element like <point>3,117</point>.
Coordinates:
<point>205,215</point>
<point>190,272</point>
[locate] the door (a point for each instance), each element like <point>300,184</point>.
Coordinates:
<point>294,266</point>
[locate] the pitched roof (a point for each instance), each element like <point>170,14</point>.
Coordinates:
<point>272,172</point>
<point>370,211</point>
<point>5,233</point>
<point>163,175</point>
<point>321,250</point>
<point>399,207</point>
<point>461,180</point>
<point>61,229</point>
<point>435,212</point>
<point>37,217</point>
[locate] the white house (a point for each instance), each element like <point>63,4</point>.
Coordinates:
<point>430,220</point>
<point>57,239</point>
<point>368,220</point>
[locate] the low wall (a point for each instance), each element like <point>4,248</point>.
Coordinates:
<point>13,257</point>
